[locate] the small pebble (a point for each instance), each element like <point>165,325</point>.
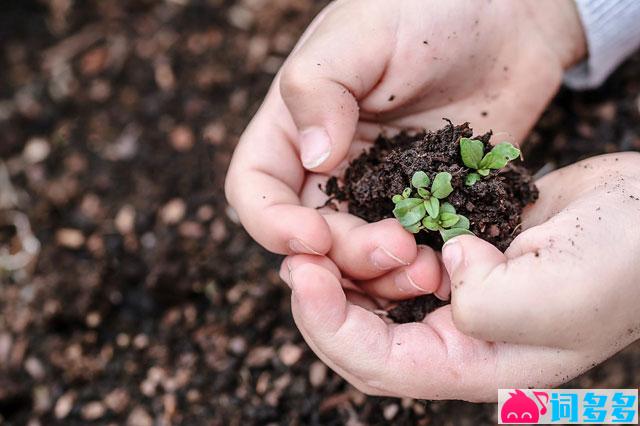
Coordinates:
<point>34,367</point>
<point>205,213</point>
<point>41,399</point>
<point>36,150</point>
<point>390,411</point>
<point>173,212</point>
<point>214,133</point>
<point>117,400</point>
<point>139,417</point>
<point>240,17</point>
<point>64,405</point>
<point>289,354</point>
<point>123,340</point>
<point>238,345</point>
<point>259,356</point>
<point>218,230</point>
<point>70,238</point>
<point>93,410</point>
<point>141,341</point>
<point>125,219</point>
<point>182,138</point>
<point>191,229</point>
<point>317,374</point>
<point>93,319</point>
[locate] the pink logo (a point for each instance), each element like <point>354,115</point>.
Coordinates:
<point>519,408</point>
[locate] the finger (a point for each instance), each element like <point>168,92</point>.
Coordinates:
<point>324,78</point>
<point>422,276</point>
<point>367,250</point>
<point>265,176</point>
<point>555,272</point>
<point>291,262</point>
<point>357,298</point>
<point>522,299</point>
<point>262,183</point>
<point>430,360</point>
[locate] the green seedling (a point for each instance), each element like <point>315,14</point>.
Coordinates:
<point>410,210</point>
<point>424,211</point>
<point>473,156</point>
<point>448,223</point>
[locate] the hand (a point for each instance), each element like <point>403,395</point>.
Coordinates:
<point>563,298</point>
<point>367,66</point>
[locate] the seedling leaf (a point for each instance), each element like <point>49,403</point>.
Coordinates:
<point>433,207</point>
<point>483,172</point>
<point>441,187</point>
<point>409,211</point>
<point>447,208</point>
<point>420,180</point>
<point>431,224</point>
<point>499,156</point>
<point>424,193</point>
<point>448,219</point>
<point>463,223</point>
<point>447,234</point>
<point>414,229</point>
<point>397,198</point>
<point>472,178</point>
<point>471,151</point>
<point>406,193</point>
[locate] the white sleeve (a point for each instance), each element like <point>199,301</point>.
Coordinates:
<point>612,29</point>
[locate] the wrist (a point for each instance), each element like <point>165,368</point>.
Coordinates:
<point>559,24</point>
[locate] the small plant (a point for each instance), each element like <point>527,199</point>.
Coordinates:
<point>473,156</point>
<point>423,210</point>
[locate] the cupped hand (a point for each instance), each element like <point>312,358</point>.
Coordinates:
<point>561,299</point>
<point>364,66</point>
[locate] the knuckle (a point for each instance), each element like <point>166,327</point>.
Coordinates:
<point>293,80</point>
<point>464,313</point>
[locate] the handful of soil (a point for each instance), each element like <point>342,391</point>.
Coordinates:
<point>493,205</point>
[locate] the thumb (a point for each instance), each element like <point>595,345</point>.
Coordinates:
<point>510,299</point>
<point>322,81</point>
<point>469,261</point>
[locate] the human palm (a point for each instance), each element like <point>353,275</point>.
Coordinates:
<point>364,67</point>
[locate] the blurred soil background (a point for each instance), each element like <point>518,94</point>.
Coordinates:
<point>149,305</point>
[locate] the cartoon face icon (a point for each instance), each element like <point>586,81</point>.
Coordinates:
<point>519,408</point>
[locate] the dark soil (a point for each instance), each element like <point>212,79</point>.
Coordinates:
<point>178,317</point>
<point>415,309</point>
<point>493,205</point>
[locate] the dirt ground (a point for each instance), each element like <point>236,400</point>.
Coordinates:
<point>148,303</point>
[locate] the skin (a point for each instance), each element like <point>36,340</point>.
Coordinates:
<point>408,64</point>
<point>537,315</point>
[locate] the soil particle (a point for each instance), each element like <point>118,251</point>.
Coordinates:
<point>415,309</point>
<point>493,205</point>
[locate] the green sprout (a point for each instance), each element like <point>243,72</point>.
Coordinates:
<point>423,211</point>
<point>448,223</point>
<point>473,156</point>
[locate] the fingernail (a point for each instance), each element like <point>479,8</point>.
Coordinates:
<point>405,284</point>
<point>452,256</point>
<point>292,284</point>
<point>315,147</point>
<point>383,259</point>
<point>298,246</point>
<point>444,290</point>
<point>286,276</point>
